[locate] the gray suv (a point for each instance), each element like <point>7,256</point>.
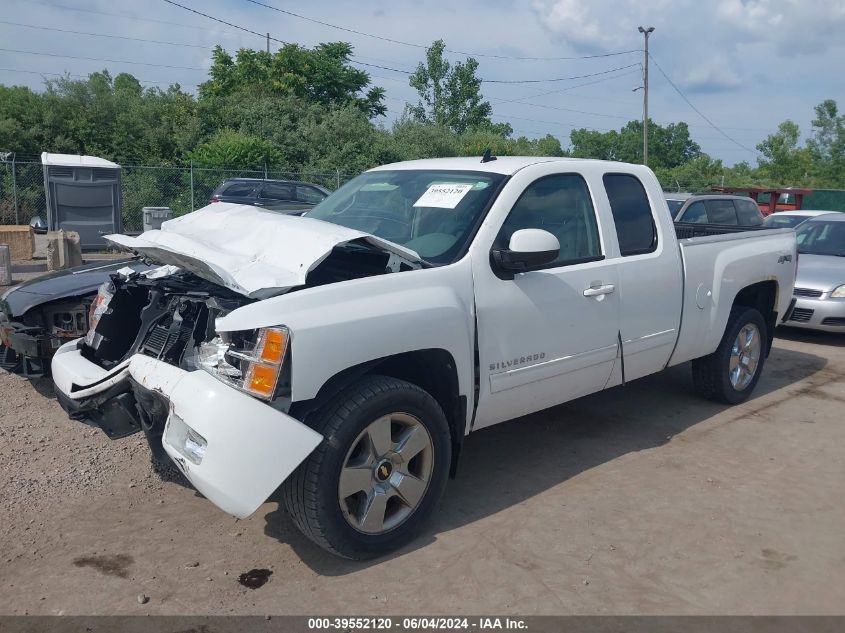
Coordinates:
<point>714,208</point>
<point>287,196</point>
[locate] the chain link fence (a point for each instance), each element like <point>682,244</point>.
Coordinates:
<point>186,189</point>
<point>183,189</point>
<point>21,192</point>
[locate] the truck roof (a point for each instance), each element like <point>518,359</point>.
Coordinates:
<point>507,165</point>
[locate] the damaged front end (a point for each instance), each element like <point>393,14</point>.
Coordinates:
<point>217,403</point>
<point>160,315</point>
<point>29,341</point>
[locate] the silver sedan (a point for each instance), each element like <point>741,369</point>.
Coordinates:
<point>820,283</point>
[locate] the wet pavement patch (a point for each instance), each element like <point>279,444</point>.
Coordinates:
<point>255,578</point>
<point>109,565</point>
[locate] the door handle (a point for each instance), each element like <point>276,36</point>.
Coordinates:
<point>595,291</point>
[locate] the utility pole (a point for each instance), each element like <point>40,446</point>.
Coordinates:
<point>646,31</point>
<point>268,42</point>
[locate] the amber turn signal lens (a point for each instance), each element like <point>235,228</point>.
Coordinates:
<point>273,343</point>
<point>261,379</point>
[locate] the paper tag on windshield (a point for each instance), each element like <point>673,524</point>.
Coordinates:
<point>443,195</point>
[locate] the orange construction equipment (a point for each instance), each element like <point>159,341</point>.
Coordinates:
<point>773,205</point>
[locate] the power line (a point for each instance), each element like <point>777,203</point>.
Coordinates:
<point>415,45</point>
<point>274,39</point>
<point>568,88</point>
<point>699,112</point>
<point>99,59</point>
<point>398,70</point>
<point>573,110</point>
<point>35,72</point>
<point>120,15</point>
<point>118,37</point>
<point>235,26</point>
<point>508,117</point>
<point>560,123</point>
<point>556,79</point>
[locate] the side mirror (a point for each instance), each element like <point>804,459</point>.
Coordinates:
<point>527,250</point>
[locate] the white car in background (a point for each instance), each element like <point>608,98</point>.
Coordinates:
<point>820,282</point>
<point>791,219</point>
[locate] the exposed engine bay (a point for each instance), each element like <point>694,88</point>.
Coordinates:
<point>169,314</point>
<point>157,317</point>
<point>166,315</point>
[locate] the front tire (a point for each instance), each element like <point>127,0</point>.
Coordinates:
<point>9,359</point>
<point>382,466</point>
<point>730,374</point>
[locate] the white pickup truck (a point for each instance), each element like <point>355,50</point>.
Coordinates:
<point>346,354</point>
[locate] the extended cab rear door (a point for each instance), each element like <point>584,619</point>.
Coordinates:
<point>549,335</point>
<point>650,274</point>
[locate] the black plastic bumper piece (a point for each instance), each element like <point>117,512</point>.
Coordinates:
<point>113,411</point>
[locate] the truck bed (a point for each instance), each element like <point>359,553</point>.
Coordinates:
<point>718,261</point>
<point>687,230</point>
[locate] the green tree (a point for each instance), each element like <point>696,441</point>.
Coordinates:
<point>318,75</point>
<point>827,144</point>
<point>344,139</point>
<point>21,126</point>
<point>695,175</point>
<point>668,145</point>
<point>411,139</point>
<point>236,150</point>
<point>783,161</point>
<point>449,96</point>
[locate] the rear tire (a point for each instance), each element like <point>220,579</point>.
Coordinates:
<point>730,374</point>
<point>380,470</point>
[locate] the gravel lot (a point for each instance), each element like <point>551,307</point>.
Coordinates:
<point>643,499</point>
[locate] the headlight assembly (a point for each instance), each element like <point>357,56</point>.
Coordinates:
<point>99,307</point>
<point>838,293</point>
<point>251,362</point>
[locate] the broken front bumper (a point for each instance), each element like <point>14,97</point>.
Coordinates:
<point>249,447</point>
<point>30,343</point>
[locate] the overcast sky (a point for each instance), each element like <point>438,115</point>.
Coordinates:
<point>745,64</point>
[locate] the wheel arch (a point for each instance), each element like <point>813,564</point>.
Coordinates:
<point>763,297</point>
<point>433,370</point>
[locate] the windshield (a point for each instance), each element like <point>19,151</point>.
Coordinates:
<point>675,206</point>
<point>432,212</point>
<point>822,238</point>
<point>778,221</point>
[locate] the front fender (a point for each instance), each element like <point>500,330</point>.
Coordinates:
<point>337,326</point>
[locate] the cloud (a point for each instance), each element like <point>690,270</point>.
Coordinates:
<point>574,21</point>
<point>715,74</point>
<point>602,25</point>
<point>797,26</point>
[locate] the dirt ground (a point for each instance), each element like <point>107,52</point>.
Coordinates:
<point>640,500</point>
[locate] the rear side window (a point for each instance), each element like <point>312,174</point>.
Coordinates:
<point>309,195</point>
<point>721,212</point>
<point>239,189</point>
<point>631,214</point>
<point>748,213</point>
<point>696,213</point>
<point>278,191</point>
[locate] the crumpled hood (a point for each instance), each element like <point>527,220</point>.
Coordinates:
<point>255,252</point>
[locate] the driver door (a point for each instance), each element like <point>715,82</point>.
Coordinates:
<point>547,336</point>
